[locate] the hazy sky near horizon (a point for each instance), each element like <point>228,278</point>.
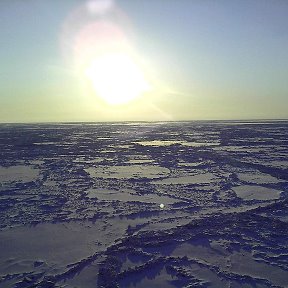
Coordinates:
<point>202,59</point>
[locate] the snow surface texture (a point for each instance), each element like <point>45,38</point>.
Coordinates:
<point>81,205</point>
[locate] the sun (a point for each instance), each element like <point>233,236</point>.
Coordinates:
<point>104,53</point>
<point>116,78</point>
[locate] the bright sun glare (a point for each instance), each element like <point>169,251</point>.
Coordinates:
<point>116,78</point>
<point>104,52</point>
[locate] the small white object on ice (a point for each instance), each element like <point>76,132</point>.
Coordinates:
<point>161,206</point>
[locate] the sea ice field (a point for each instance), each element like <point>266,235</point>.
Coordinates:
<point>145,205</point>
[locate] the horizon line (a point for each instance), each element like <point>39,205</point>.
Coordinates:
<point>149,121</point>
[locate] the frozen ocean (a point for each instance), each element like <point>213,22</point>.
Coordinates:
<point>144,204</point>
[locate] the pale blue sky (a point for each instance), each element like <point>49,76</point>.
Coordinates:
<point>221,60</point>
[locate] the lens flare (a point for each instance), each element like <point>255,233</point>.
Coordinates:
<point>100,7</point>
<point>102,52</point>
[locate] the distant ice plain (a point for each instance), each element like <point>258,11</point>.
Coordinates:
<point>80,205</point>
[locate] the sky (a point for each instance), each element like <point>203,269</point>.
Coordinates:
<point>136,60</point>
